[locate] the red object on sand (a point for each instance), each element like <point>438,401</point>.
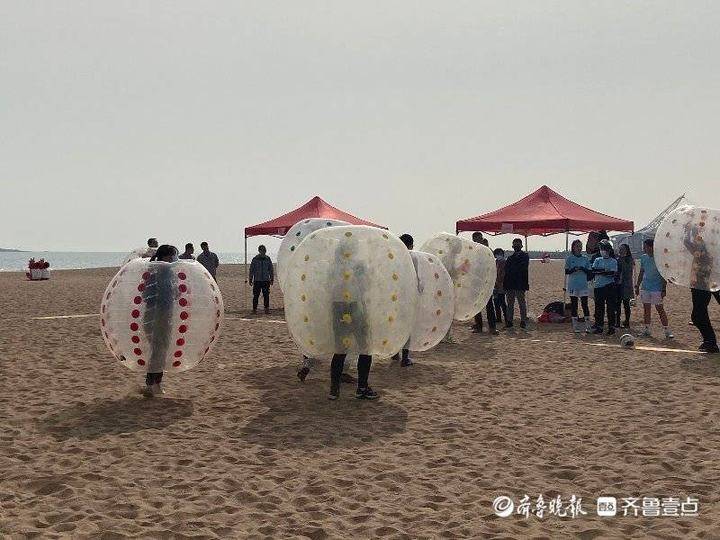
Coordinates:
<point>543,212</point>
<point>314,208</point>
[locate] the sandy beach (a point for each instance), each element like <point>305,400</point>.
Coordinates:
<point>240,448</point>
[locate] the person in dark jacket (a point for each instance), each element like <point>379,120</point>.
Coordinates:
<point>261,277</point>
<point>516,283</point>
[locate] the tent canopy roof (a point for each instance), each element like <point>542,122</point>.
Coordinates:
<point>543,212</point>
<point>314,208</point>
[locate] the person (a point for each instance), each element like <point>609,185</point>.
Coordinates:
<point>261,277</point>
<point>604,269</point>
<point>188,253</point>
<point>152,247</point>
<point>516,283</point>
<point>157,320</point>
<point>699,293</point>
<point>489,307</point>
<point>208,259</point>
<point>624,288</point>
<point>498,291</point>
<point>651,287</point>
<point>577,270</point>
<point>404,355</point>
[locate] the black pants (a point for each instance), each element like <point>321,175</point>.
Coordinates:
<point>622,303</point>
<point>605,300</point>
<point>153,378</point>
<point>263,286</point>
<point>492,321</point>
<point>700,317</point>
<point>500,307</point>
<point>363,368</point>
<point>574,306</point>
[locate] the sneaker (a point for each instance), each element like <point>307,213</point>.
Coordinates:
<point>148,392</point>
<point>347,378</point>
<point>626,324</point>
<point>645,333</point>
<point>267,311</point>
<point>508,325</point>
<point>407,362</point>
<point>157,389</point>
<point>669,334</point>
<point>712,349</point>
<point>334,392</point>
<point>366,393</point>
<point>611,331</point>
<point>598,330</point>
<point>476,330</point>
<point>577,328</point>
<point>494,332</point>
<point>302,373</point>
<point>523,324</point>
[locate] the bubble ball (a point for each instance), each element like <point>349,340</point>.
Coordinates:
<point>687,247</point>
<point>472,269</point>
<point>158,316</point>
<point>627,341</point>
<point>350,289</point>
<point>292,239</point>
<point>436,302</point>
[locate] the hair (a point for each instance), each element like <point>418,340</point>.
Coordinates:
<point>498,251</point>
<point>626,246</point>
<point>188,246</point>
<point>517,240</point>
<point>262,248</point>
<point>649,242</point>
<point>203,245</point>
<point>164,251</point>
<point>477,235</point>
<point>407,240</point>
<point>603,235</point>
<point>151,241</point>
<point>572,246</point>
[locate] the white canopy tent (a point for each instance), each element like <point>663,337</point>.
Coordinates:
<point>635,240</point>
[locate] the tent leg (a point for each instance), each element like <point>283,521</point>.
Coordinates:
<point>246,269</point>
<point>567,239</point>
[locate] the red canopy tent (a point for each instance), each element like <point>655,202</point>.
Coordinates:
<point>543,212</point>
<point>314,208</point>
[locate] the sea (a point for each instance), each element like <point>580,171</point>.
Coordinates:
<point>15,261</point>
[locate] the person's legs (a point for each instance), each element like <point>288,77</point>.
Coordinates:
<point>336,369</point>
<point>574,307</point>
<point>600,303</point>
<point>663,316</point>
<point>492,322</point>
<point>510,308</point>
<point>585,307</point>
<point>363,390</point>
<point>266,295</point>
<point>701,319</point>
<point>611,302</point>
<point>478,326</point>
<point>256,295</point>
<point>626,306</point>
<point>523,307</point>
<point>618,305</point>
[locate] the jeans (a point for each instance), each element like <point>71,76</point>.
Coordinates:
<point>500,306</point>
<point>574,306</point>
<point>264,287</point>
<point>605,298</point>
<point>511,296</point>
<point>700,317</point>
<point>363,367</point>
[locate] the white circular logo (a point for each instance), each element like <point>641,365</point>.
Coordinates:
<point>503,506</point>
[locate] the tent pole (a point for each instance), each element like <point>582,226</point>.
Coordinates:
<point>567,239</point>
<point>246,268</point>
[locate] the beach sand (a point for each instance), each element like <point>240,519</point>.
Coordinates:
<point>240,448</point>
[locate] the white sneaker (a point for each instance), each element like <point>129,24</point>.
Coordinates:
<point>669,334</point>
<point>157,389</point>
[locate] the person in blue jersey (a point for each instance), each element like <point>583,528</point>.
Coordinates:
<point>604,269</point>
<point>651,287</point>
<point>577,270</point>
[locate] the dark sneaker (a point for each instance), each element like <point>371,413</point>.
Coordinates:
<point>302,373</point>
<point>598,330</point>
<point>611,331</point>
<point>494,332</point>
<point>703,346</point>
<point>712,349</point>
<point>508,325</point>
<point>366,393</point>
<point>267,311</point>
<point>523,324</point>
<point>406,362</point>
<point>334,392</point>
<point>626,324</point>
<point>347,378</point>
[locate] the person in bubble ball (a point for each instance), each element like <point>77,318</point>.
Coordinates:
<point>157,321</point>
<point>702,270</point>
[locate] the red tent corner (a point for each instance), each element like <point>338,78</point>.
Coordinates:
<point>314,208</point>
<point>543,212</point>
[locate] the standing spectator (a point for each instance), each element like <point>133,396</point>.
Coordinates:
<point>604,269</point>
<point>651,287</point>
<point>209,260</point>
<point>188,253</point>
<point>261,277</point>
<point>516,283</point>
<point>626,271</point>
<point>498,291</point>
<point>577,270</point>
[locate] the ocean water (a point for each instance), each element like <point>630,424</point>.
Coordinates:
<point>64,260</point>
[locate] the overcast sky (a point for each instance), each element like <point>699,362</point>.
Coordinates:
<point>190,120</point>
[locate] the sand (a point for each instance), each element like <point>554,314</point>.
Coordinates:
<point>240,448</point>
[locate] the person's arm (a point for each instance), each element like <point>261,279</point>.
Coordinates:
<point>217,261</point>
<point>252,271</point>
<point>664,286</point>
<point>639,280</point>
<point>272,273</point>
